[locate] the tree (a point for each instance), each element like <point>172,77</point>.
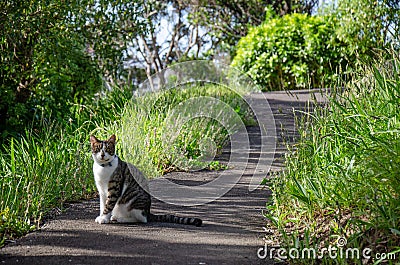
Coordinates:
<point>24,25</point>
<point>169,36</point>
<point>228,21</point>
<point>55,52</point>
<point>178,30</point>
<point>367,26</point>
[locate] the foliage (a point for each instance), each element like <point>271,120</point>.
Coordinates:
<point>57,52</point>
<point>294,51</point>
<point>228,21</point>
<point>341,179</point>
<point>181,30</point>
<point>168,37</point>
<point>366,26</point>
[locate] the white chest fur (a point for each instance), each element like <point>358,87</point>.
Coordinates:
<point>102,174</point>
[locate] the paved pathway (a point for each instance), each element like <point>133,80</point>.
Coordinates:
<point>231,234</point>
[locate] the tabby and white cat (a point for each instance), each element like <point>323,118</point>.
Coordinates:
<point>122,199</point>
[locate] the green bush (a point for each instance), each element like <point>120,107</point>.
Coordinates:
<point>291,52</point>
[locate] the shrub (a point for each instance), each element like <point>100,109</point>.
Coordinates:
<point>291,52</point>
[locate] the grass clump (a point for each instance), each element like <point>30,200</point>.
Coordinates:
<point>343,177</point>
<point>39,172</point>
<point>167,131</point>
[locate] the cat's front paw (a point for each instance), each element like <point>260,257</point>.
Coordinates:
<point>113,219</point>
<point>103,219</point>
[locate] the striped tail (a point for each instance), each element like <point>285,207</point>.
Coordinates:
<point>169,218</point>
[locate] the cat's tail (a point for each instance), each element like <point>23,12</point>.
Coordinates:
<point>169,218</point>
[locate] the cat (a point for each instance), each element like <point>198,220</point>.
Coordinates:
<point>123,189</point>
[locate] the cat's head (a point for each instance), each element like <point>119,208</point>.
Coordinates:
<point>103,151</point>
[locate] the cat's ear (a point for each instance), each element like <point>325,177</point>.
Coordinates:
<point>112,139</point>
<point>93,139</point>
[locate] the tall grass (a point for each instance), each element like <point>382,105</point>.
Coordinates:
<point>343,177</point>
<point>51,164</point>
<point>145,129</point>
<point>40,171</point>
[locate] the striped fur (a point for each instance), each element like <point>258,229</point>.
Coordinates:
<point>123,189</point>
<point>169,218</point>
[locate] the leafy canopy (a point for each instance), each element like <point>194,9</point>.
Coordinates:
<point>58,52</point>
